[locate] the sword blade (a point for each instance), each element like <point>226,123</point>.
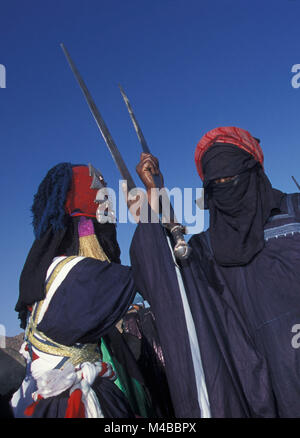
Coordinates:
<point>295,181</point>
<point>145,147</point>
<point>115,153</point>
<point>135,123</point>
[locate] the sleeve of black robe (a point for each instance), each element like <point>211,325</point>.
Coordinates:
<point>92,298</point>
<point>155,277</point>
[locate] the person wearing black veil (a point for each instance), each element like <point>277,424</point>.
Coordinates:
<point>241,283</point>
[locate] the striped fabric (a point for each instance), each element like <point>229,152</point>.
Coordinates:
<point>39,343</point>
<point>237,136</point>
<point>56,367</point>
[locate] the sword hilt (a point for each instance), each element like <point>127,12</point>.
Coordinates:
<point>182,249</point>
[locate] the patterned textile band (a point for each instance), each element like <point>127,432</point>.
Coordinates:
<point>75,354</point>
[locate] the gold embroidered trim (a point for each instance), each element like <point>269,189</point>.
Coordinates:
<point>76,355</point>
<point>86,353</point>
<point>51,279</point>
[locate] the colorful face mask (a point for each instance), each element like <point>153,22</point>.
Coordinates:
<point>88,196</point>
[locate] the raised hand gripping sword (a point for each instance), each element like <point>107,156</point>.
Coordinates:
<point>181,249</point>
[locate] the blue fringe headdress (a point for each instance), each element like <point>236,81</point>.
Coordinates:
<point>49,202</point>
<point>50,228</point>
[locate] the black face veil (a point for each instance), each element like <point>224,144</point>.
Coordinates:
<point>238,208</point>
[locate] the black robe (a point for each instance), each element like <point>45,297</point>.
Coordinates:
<point>87,304</point>
<point>137,357</point>
<point>245,319</point>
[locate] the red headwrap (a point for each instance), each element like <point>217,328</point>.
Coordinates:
<point>237,136</point>
<point>81,198</point>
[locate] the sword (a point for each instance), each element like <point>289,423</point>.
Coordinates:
<point>101,125</point>
<point>181,248</point>
<point>295,181</point>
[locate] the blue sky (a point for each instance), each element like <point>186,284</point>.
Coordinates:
<point>187,66</point>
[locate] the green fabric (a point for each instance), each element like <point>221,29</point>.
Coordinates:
<point>106,357</point>
<point>133,390</point>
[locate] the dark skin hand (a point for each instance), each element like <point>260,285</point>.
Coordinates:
<point>147,167</point>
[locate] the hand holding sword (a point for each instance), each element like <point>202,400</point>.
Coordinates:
<point>148,170</point>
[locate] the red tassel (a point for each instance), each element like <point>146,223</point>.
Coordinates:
<point>75,408</point>
<point>30,409</point>
<point>104,369</point>
<point>34,356</point>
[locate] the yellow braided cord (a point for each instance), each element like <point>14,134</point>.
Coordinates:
<point>90,247</point>
<point>76,355</point>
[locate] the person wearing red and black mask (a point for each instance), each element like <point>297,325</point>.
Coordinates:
<point>73,291</point>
